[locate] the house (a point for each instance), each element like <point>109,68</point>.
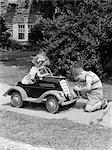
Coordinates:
<point>20,16</point>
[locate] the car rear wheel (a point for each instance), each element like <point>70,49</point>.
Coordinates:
<point>52,105</point>
<point>16,100</point>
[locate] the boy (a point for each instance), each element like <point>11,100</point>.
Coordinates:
<point>92,88</point>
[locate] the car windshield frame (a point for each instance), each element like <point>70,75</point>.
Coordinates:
<point>44,71</point>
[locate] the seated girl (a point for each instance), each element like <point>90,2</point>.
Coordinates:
<point>39,61</point>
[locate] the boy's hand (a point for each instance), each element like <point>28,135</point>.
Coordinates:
<point>77,88</point>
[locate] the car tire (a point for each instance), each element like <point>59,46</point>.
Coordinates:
<point>52,105</point>
<point>16,100</point>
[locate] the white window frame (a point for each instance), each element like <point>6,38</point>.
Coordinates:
<point>21,31</point>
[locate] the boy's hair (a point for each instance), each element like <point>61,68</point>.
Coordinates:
<point>76,70</point>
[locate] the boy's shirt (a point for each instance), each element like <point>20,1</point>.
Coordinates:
<point>96,85</point>
<point>96,82</point>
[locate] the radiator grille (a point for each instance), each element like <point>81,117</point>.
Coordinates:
<point>65,88</point>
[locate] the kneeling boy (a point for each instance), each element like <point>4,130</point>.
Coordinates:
<point>92,88</point>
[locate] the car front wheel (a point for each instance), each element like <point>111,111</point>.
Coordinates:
<point>16,100</point>
<point>52,105</point>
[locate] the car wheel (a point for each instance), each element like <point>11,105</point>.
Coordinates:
<point>16,100</point>
<point>52,105</point>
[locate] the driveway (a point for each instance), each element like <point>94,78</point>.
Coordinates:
<point>74,113</point>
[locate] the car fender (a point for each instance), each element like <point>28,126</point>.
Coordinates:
<point>16,89</point>
<point>58,94</point>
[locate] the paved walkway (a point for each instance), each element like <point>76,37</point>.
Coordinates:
<point>102,117</point>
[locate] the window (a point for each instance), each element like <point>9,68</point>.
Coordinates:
<point>21,32</point>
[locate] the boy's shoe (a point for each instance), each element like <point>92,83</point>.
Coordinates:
<point>104,104</point>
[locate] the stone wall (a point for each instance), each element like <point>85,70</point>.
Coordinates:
<point>3,7</point>
<point>10,29</point>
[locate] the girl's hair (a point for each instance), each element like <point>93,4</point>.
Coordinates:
<point>41,60</point>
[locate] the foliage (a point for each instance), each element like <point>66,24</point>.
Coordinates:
<point>96,18</point>
<point>14,45</point>
<point>81,34</point>
<point>5,41</point>
<point>36,34</point>
<point>65,45</point>
<point>47,8</point>
<point>4,35</point>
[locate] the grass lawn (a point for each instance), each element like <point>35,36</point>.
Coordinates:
<point>55,133</point>
<point>16,54</point>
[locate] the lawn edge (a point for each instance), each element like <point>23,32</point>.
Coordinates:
<point>15,145</point>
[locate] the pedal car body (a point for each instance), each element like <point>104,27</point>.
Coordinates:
<point>54,91</point>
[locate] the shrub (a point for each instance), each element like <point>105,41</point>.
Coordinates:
<point>82,34</point>
<point>4,35</point>
<point>14,45</point>
<point>66,44</point>
<point>36,34</point>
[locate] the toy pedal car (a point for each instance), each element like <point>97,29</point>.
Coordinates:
<point>54,91</point>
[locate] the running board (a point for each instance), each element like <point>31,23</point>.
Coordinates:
<point>35,100</point>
